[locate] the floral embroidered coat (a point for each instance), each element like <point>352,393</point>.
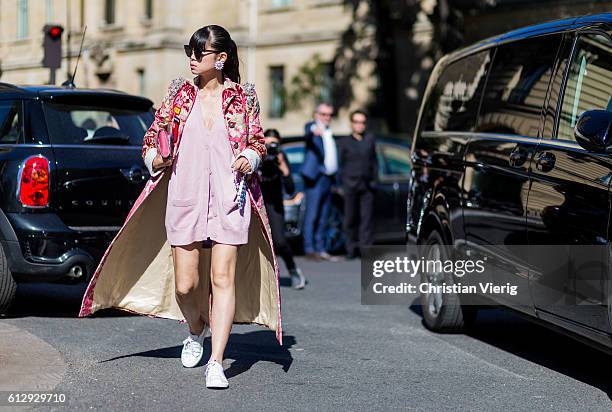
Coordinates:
<point>136,272</point>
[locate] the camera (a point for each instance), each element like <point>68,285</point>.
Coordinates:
<point>273,148</point>
<point>272,151</point>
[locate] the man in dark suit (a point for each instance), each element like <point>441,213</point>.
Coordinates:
<point>319,173</point>
<point>358,174</point>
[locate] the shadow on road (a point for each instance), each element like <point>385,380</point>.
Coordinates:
<point>514,334</point>
<point>245,348</point>
<point>61,300</point>
<point>53,300</point>
<point>56,300</point>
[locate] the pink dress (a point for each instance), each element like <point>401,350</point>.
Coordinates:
<point>202,193</point>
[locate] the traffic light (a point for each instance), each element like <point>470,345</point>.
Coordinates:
<point>52,46</point>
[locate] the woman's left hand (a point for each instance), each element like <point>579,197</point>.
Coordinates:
<point>242,165</point>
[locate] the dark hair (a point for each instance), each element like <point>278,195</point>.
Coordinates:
<point>358,111</point>
<point>220,40</point>
<point>272,133</point>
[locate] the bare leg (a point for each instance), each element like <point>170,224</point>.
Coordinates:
<point>223,270</point>
<point>186,259</point>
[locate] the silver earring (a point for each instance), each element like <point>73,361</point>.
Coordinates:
<point>219,65</point>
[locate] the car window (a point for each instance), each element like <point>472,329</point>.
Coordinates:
<point>556,85</point>
<point>295,156</point>
<point>380,157</point>
<point>588,82</point>
<point>453,101</point>
<point>11,121</point>
<point>516,88</point>
<point>76,124</point>
<point>35,131</point>
<point>396,159</point>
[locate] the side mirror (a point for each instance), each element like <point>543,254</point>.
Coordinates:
<point>593,131</point>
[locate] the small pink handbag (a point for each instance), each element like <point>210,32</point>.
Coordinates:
<point>164,143</point>
<point>169,128</point>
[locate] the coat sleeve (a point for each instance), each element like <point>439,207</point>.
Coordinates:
<point>255,149</point>
<point>162,117</point>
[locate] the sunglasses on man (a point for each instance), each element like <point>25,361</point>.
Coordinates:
<point>198,53</point>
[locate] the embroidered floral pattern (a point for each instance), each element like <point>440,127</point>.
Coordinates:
<point>241,112</point>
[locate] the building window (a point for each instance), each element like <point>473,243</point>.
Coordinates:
<point>148,9</point>
<point>22,19</point>
<point>109,11</point>
<point>141,81</point>
<point>280,3</point>
<point>277,102</point>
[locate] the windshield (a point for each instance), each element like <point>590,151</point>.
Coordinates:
<point>86,125</point>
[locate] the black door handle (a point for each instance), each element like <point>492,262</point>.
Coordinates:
<point>545,161</point>
<point>517,157</point>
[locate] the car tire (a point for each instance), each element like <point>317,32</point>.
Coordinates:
<point>443,312</point>
<point>8,287</point>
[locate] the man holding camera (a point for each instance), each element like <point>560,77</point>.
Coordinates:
<point>275,177</point>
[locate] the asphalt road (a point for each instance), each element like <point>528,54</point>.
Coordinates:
<point>338,355</point>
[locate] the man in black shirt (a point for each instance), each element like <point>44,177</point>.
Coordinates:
<point>358,174</point>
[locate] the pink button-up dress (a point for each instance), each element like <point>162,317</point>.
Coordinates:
<point>202,200</point>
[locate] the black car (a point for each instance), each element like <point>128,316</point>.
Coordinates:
<point>71,169</point>
<point>512,148</point>
<point>389,204</point>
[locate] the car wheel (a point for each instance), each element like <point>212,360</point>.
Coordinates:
<point>443,312</point>
<point>8,287</point>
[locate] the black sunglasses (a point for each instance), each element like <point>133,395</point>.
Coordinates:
<point>198,53</point>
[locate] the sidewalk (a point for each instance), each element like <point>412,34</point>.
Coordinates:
<point>27,363</point>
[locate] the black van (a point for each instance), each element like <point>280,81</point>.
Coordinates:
<point>71,168</point>
<point>513,147</point>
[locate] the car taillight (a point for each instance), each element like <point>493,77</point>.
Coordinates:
<point>34,182</point>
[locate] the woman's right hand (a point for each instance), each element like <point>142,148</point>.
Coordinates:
<point>159,163</point>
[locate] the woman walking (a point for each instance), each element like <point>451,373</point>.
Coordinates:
<point>213,220</point>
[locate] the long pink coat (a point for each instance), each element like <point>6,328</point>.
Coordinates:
<point>136,272</point>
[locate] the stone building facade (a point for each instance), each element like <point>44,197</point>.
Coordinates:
<point>136,46</point>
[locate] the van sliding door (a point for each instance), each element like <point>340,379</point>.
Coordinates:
<point>498,159</point>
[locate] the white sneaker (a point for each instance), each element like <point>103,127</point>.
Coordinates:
<point>193,349</point>
<point>215,377</point>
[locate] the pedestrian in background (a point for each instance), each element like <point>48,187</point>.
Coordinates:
<point>275,173</point>
<point>319,173</point>
<point>358,175</point>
